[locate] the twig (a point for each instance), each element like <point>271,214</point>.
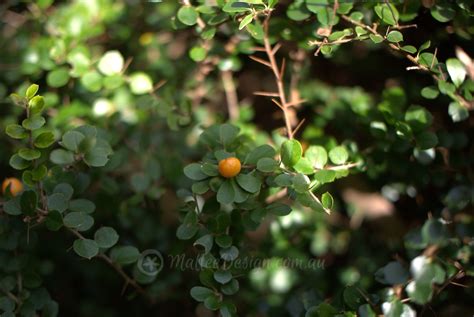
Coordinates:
<point>278,104</point>
<point>230,94</point>
<point>340,41</point>
<point>127,64</point>
<point>456,276</point>
<point>158,85</point>
<point>459,284</point>
<point>278,73</point>
<point>407,26</point>
<point>296,102</point>
<point>298,58</point>
<point>342,167</point>
<point>120,271</point>
<point>265,93</point>
<point>329,31</point>
<point>128,279</point>
<point>366,297</point>
<point>13,297</point>
<point>319,202</point>
<point>277,196</point>
<point>261,61</point>
<point>299,126</point>
<point>199,21</point>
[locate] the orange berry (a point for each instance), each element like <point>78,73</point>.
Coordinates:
<point>229,167</point>
<point>15,186</point>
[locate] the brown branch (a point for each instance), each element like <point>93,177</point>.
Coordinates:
<point>258,49</point>
<point>128,280</point>
<point>459,284</point>
<point>296,102</point>
<point>340,41</point>
<point>298,58</point>
<point>265,93</point>
<point>261,61</point>
<point>158,85</point>
<point>319,202</point>
<point>342,167</point>
<point>456,276</point>
<point>278,104</point>
<point>278,74</point>
<point>13,297</point>
<point>282,68</point>
<point>230,94</point>
<point>277,196</point>
<point>329,31</point>
<point>127,64</point>
<point>299,126</point>
<point>276,48</point>
<point>199,21</point>
<point>407,26</point>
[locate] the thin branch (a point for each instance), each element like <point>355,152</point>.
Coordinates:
<point>296,102</point>
<point>127,64</point>
<point>299,126</point>
<point>230,94</point>
<point>342,167</point>
<point>340,41</point>
<point>407,26</point>
<point>459,284</point>
<point>266,94</point>
<point>329,31</point>
<point>261,61</point>
<point>319,202</point>
<point>278,104</point>
<point>434,57</point>
<point>159,85</point>
<point>128,280</point>
<point>13,297</point>
<point>456,276</point>
<point>278,74</point>
<point>366,297</point>
<point>298,58</point>
<point>258,49</point>
<point>282,68</point>
<point>199,21</point>
<point>277,196</point>
<point>276,48</point>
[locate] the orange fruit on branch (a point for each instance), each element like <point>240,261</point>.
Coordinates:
<point>15,186</point>
<point>229,167</point>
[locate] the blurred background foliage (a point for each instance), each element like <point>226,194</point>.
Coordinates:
<point>150,79</point>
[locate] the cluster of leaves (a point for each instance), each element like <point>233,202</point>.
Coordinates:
<point>242,201</point>
<point>459,89</point>
<point>416,156</point>
<point>101,71</point>
<point>49,201</point>
<point>70,57</point>
<point>64,56</point>
<point>69,47</point>
<point>330,14</point>
<point>394,126</point>
<point>427,275</point>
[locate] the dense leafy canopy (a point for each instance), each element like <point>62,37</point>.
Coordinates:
<point>349,120</point>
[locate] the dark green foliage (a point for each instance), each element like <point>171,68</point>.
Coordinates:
<point>352,127</point>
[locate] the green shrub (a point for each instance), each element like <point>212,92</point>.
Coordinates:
<point>248,157</point>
